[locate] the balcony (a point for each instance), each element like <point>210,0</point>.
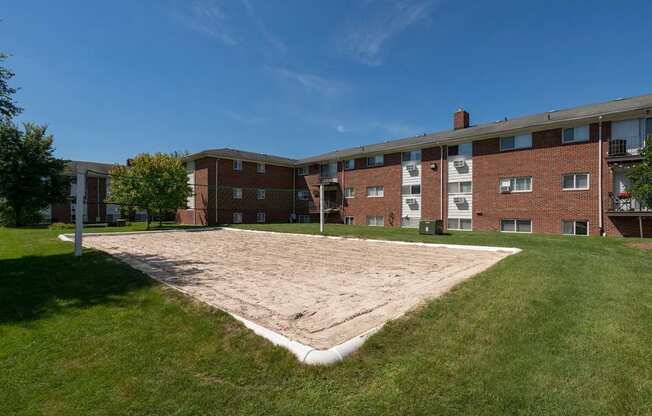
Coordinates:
<point>619,152</point>
<point>328,179</point>
<point>329,206</point>
<point>624,205</point>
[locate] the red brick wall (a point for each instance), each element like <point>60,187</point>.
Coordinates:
<point>430,184</point>
<point>547,205</point>
<point>95,191</point>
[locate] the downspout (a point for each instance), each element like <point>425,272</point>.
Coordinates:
<point>216,189</point>
<point>294,192</point>
<point>600,218</point>
<point>441,183</point>
<point>98,197</point>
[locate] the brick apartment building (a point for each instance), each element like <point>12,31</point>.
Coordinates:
<point>559,172</point>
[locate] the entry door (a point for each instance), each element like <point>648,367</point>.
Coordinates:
<point>620,182</point>
<point>629,130</point>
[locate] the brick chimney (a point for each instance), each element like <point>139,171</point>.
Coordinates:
<point>461,119</point>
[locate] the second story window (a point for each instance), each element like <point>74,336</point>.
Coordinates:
<point>260,168</point>
<point>516,184</point>
<point>375,191</point>
<point>303,195</point>
<point>237,193</point>
<point>302,170</point>
<point>460,187</point>
<point>377,160</point>
<point>349,193</point>
<point>412,156</point>
<point>349,164</point>
<point>575,134</point>
<point>237,165</point>
<point>522,141</point>
<point>411,190</point>
<point>575,182</point>
<point>260,194</point>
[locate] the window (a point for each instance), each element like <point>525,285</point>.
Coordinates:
<point>575,134</point>
<point>648,128</point>
<point>375,220</point>
<point>460,187</point>
<point>377,160</point>
<point>575,227</point>
<point>349,220</point>
<point>575,181</point>
<point>237,217</point>
<point>516,226</point>
<point>260,168</point>
<point>522,141</point>
<point>453,150</point>
<point>375,191</point>
<point>411,189</point>
<point>460,224</point>
<point>516,184</point>
<point>260,194</point>
<point>349,192</point>
<point>303,195</point>
<point>349,164</point>
<point>302,170</point>
<point>260,217</point>
<point>237,193</point>
<point>414,155</point>
<point>237,165</point>
<point>304,219</point>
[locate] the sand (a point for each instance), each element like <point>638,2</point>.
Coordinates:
<point>315,290</point>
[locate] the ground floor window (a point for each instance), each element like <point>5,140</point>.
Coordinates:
<point>573,227</point>
<point>516,226</point>
<point>349,220</point>
<point>304,219</point>
<point>237,217</point>
<point>375,220</point>
<point>260,217</point>
<point>460,224</point>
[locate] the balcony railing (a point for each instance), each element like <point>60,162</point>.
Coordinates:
<point>626,204</point>
<point>618,147</point>
<point>329,206</point>
<point>326,179</point>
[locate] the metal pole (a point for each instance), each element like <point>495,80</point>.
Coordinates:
<point>321,208</point>
<point>640,225</point>
<point>79,211</point>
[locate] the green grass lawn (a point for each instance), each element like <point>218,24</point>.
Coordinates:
<point>565,327</point>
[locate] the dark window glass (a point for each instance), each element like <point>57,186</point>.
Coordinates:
<point>453,150</point>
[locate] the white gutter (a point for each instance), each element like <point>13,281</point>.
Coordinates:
<point>600,219</point>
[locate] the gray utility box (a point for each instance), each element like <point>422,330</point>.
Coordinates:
<point>431,227</point>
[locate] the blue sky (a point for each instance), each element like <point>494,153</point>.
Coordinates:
<point>300,77</point>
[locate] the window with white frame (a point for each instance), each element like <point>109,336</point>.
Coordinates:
<point>237,217</point>
<point>375,191</point>
<point>349,220</point>
<point>516,184</point>
<point>465,187</point>
<point>377,160</point>
<point>260,168</point>
<point>460,224</point>
<point>349,164</point>
<point>237,193</point>
<point>411,190</point>
<point>304,219</point>
<point>260,194</point>
<point>303,195</point>
<point>237,165</point>
<point>521,141</point>
<point>302,170</point>
<point>261,217</point>
<point>464,149</point>
<point>575,181</point>
<point>349,192</point>
<point>575,134</point>
<point>516,226</point>
<point>574,227</point>
<point>375,220</point>
<point>411,156</point>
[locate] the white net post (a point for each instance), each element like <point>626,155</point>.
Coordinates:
<point>321,208</point>
<point>79,211</point>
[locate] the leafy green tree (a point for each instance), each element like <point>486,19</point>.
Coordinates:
<point>152,182</point>
<point>640,176</point>
<point>8,107</point>
<point>31,178</point>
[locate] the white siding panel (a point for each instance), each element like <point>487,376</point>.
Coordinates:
<point>460,174</point>
<point>464,174</point>
<point>464,210</point>
<point>411,177</point>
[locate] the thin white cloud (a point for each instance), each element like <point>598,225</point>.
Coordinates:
<point>207,17</point>
<point>270,37</point>
<point>310,82</point>
<point>383,19</point>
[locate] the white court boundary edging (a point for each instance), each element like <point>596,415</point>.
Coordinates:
<point>304,353</point>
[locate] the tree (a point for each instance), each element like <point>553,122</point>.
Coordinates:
<point>152,182</point>
<point>8,108</point>
<point>640,176</point>
<point>31,178</point>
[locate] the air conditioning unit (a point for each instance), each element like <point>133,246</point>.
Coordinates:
<point>505,189</point>
<point>459,200</point>
<point>411,201</point>
<point>411,168</point>
<point>459,164</point>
